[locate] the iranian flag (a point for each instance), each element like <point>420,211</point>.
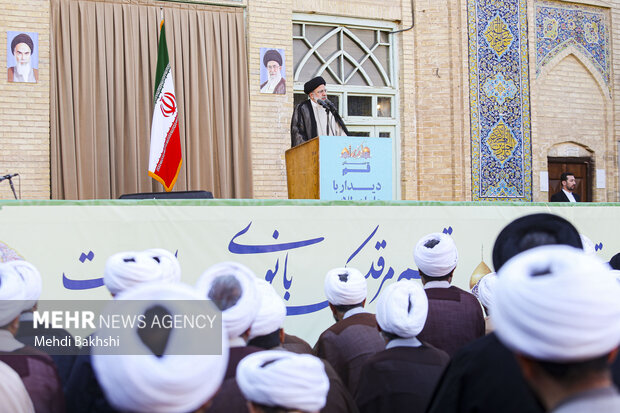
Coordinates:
<point>165,157</point>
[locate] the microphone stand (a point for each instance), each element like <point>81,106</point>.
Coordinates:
<point>327,112</point>
<point>12,187</point>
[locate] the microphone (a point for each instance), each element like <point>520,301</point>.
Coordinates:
<point>8,176</point>
<point>323,103</point>
<point>329,103</point>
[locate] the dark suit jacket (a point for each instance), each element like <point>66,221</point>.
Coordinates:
<point>483,377</point>
<point>561,197</point>
<point>347,345</point>
<point>400,379</point>
<point>454,319</point>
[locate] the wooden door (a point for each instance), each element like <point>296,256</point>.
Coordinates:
<point>580,167</point>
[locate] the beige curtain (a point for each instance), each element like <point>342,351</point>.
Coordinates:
<point>103,69</point>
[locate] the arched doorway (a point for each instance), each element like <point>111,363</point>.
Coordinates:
<point>581,167</point>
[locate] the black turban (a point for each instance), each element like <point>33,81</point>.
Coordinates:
<point>532,231</point>
<point>272,55</point>
<point>312,84</point>
<point>22,38</point>
<point>614,262</point>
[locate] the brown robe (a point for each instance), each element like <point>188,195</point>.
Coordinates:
<point>38,372</point>
<point>454,319</point>
<point>400,379</point>
<point>11,74</point>
<point>347,345</point>
<point>229,398</point>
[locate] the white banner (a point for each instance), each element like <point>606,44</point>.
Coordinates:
<point>292,245</point>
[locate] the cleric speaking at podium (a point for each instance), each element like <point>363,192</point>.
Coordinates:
<point>316,116</point>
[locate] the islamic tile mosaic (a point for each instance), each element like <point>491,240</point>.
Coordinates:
<point>499,100</point>
<point>561,25</point>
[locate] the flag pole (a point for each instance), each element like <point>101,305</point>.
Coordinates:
<point>165,157</point>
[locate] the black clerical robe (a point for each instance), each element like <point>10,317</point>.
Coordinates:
<point>483,377</point>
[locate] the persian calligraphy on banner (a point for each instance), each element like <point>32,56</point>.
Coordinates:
<point>355,168</point>
<point>269,237</point>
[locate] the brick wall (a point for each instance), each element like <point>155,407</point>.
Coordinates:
<point>25,109</point>
<point>442,122</point>
<point>575,113</point>
<point>572,104</point>
<point>368,9</point>
<point>269,24</point>
<point>408,115</point>
<point>567,101</point>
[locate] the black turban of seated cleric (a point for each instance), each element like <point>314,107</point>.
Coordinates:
<point>615,262</point>
<point>22,38</point>
<point>532,231</point>
<point>312,84</point>
<point>272,55</point>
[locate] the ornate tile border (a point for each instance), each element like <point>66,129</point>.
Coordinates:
<point>561,25</point>
<point>499,96</point>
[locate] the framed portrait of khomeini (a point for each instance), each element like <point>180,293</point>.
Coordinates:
<point>272,71</point>
<point>22,57</point>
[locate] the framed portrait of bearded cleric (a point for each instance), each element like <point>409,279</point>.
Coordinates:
<point>272,71</point>
<point>22,56</point>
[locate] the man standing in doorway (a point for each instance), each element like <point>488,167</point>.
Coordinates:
<point>568,181</point>
<point>22,48</point>
<point>315,116</point>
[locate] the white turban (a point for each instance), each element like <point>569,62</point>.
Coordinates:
<point>12,294</point>
<point>588,245</point>
<point>173,382</point>
<point>32,281</point>
<point>436,254</point>
<point>556,303</point>
<point>345,286</point>
<point>484,289</point>
<point>271,313</point>
<point>240,316</point>
<point>402,308</point>
<point>13,394</point>
<point>127,269</point>
<point>171,269</point>
<point>285,379</point>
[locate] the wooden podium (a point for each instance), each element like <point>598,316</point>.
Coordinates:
<point>302,170</point>
<point>340,168</point>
